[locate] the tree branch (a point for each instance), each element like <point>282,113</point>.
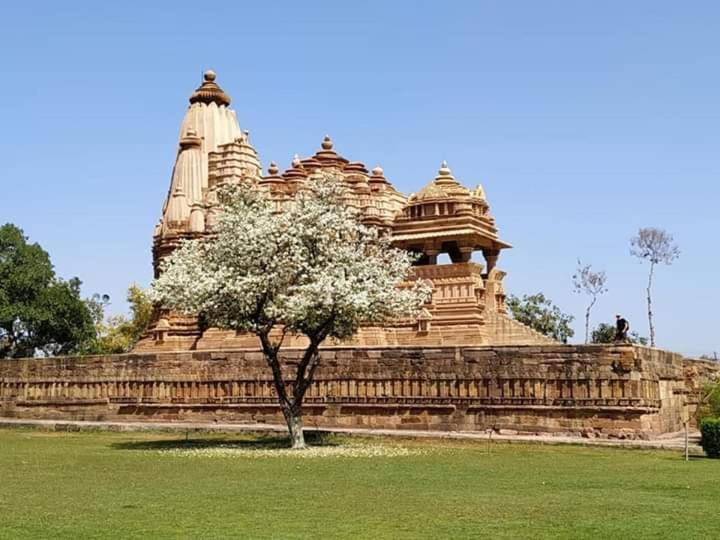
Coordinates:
<point>310,358</point>
<point>271,357</point>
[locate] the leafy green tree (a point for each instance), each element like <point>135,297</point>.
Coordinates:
<point>709,405</point>
<point>539,313</point>
<point>96,304</point>
<point>605,333</point>
<point>118,333</point>
<point>39,312</point>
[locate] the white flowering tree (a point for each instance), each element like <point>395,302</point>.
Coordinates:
<point>312,270</point>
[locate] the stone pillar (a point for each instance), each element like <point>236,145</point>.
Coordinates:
<point>491,257</point>
<point>465,254</point>
<point>432,255</point>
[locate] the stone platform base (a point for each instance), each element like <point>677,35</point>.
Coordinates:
<point>590,391</point>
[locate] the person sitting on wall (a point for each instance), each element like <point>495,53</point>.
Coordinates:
<point>622,328</point>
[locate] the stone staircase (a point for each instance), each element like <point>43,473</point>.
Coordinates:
<point>502,330</point>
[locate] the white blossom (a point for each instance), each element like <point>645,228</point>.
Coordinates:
<point>313,268</point>
<point>313,452</point>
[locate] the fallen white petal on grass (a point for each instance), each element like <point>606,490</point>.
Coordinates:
<point>345,451</point>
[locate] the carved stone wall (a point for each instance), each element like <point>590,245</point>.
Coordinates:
<point>600,391</point>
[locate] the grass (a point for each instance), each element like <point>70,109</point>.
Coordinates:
<point>157,485</point>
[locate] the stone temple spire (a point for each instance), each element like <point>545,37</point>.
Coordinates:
<point>177,211</point>
<point>188,167</point>
<point>210,116</point>
<point>207,125</point>
<point>186,184</point>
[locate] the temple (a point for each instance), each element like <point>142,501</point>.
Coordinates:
<point>468,300</point>
<point>459,366</point>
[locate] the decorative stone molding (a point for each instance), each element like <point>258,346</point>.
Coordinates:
<point>532,389</point>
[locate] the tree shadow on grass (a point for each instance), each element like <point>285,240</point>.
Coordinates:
<point>257,442</point>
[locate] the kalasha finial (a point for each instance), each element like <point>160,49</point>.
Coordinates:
<point>209,91</point>
<point>444,169</point>
<point>273,169</point>
<point>327,143</point>
<point>296,161</point>
<point>378,171</point>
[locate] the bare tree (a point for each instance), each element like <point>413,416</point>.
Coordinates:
<point>655,246</point>
<point>587,281</point>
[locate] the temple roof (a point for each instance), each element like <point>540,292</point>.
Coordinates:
<point>297,171</point>
<point>325,157</point>
<point>213,150</point>
<point>443,186</point>
<point>445,209</point>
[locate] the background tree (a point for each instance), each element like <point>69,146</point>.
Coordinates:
<point>587,281</point>
<point>539,313</point>
<point>39,312</point>
<point>605,333</point>
<point>655,246</point>
<point>118,333</point>
<point>97,304</point>
<point>312,270</point>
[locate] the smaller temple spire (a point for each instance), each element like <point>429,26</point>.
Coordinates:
<point>178,209</point>
<point>190,139</point>
<point>445,175</point>
<point>273,180</point>
<point>296,173</point>
<point>355,167</point>
<point>209,91</point>
<point>197,218</point>
<point>327,157</point>
<point>326,154</point>
<point>378,176</point>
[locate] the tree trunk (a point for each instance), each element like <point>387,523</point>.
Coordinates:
<point>587,326</point>
<point>295,428</point>
<point>587,320</point>
<point>649,305</point>
<point>291,406</point>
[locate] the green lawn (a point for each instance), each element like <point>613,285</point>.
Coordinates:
<point>126,485</point>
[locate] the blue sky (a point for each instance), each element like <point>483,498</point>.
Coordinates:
<point>583,120</point>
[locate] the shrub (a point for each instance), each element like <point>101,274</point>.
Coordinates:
<point>710,441</point>
<point>709,404</point>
